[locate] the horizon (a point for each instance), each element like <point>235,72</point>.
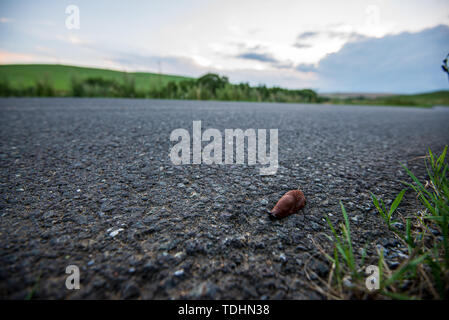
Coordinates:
<point>359,47</point>
<point>327,93</point>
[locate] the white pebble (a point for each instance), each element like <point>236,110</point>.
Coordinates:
<point>116,232</point>
<point>179,272</point>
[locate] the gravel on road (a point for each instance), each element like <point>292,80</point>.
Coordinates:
<point>89,182</point>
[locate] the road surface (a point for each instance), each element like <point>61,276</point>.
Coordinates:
<point>89,182</point>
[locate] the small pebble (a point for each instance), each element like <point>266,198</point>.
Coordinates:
<point>179,273</point>
<point>115,232</point>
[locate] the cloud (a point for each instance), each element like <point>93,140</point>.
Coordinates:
<point>276,63</point>
<point>303,38</point>
<point>307,35</point>
<point>262,57</point>
<point>331,33</point>
<point>302,45</point>
<point>307,39</point>
<point>284,65</point>
<point>5,20</point>
<point>349,36</point>
<point>402,63</point>
<point>303,67</point>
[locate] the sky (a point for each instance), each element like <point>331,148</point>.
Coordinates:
<point>389,46</point>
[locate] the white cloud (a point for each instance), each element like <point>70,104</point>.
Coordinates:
<point>403,63</point>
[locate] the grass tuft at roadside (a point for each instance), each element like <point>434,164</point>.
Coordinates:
<point>424,270</point>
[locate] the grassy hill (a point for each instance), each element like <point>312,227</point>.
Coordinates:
<point>59,76</point>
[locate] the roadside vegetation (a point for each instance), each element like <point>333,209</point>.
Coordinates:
<point>418,100</point>
<point>424,270</point>
<point>66,81</point>
<point>70,81</point>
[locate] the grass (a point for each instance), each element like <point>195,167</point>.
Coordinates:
<point>35,287</point>
<point>424,273</point>
<point>428,99</point>
<point>60,76</point>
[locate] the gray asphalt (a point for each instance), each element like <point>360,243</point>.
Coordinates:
<point>73,171</point>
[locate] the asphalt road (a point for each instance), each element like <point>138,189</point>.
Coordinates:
<point>89,182</point>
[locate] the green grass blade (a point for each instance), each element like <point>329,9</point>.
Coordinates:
<point>396,203</point>
<point>348,237</point>
<point>377,205</point>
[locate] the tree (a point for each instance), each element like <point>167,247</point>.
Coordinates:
<point>212,82</point>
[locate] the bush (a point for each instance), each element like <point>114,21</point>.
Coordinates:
<point>101,87</point>
<point>5,89</point>
<point>44,87</point>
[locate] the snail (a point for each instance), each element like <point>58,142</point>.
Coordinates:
<point>289,203</point>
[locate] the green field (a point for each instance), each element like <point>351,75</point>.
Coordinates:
<point>427,99</point>
<point>59,76</point>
